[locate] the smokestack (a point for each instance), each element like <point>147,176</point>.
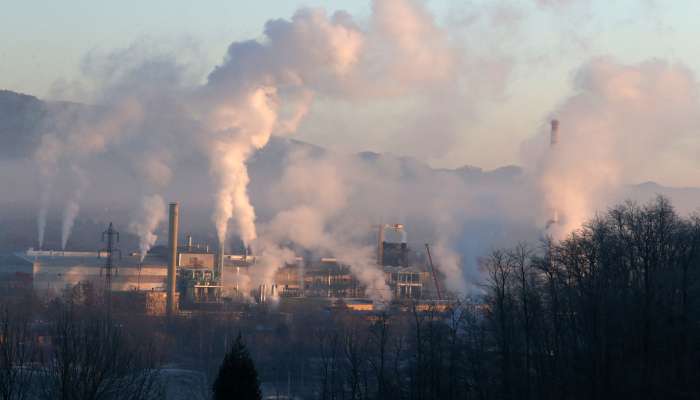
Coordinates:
<point>220,263</point>
<point>172,257</point>
<point>554,142</point>
<point>554,136</point>
<point>189,242</point>
<point>262,293</point>
<point>380,245</point>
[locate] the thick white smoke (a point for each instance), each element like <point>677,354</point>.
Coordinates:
<point>624,124</point>
<point>403,51</point>
<point>152,213</point>
<point>240,129</point>
<point>312,195</point>
<point>243,97</point>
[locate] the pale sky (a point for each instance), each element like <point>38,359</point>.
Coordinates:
<point>42,42</point>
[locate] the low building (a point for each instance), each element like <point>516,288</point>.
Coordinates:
<point>54,271</point>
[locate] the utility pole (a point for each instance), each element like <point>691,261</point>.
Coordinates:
<point>111,236</point>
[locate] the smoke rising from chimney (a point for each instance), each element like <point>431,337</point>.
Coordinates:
<point>44,200</point>
<point>70,212</point>
<point>243,98</point>
<point>619,127</point>
<point>152,213</point>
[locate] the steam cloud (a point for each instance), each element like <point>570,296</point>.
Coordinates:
<point>44,201</point>
<point>319,193</point>
<point>622,125</point>
<point>46,157</point>
<point>151,215</point>
<point>243,97</point>
<point>402,51</point>
<point>70,212</point>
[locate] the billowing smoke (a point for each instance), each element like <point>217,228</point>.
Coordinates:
<point>244,128</point>
<point>152,213</point>
<point>266,87</point>
<point>625,123</point>
<point>243,96</point>
<point>312,195</point>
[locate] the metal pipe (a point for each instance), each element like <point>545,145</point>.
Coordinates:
<point>172,257</point>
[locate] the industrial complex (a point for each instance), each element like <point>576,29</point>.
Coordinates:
<point>185,275</point>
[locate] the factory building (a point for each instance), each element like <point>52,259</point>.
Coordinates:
<point>55,271</point>
<point>324,277</point>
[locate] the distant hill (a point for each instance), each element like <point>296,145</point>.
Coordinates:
<point>21,120</point>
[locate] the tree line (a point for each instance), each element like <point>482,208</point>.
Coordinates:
<point>612,311</point>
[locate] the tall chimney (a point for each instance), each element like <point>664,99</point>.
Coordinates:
<point>380,245</point>
<point>553,143</point>
<point>172,257</point>
<point>554,136</point>
<point>220,263</point>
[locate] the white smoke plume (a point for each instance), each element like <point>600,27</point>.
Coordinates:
<point>245,99</point>
<point>625,123</point>
<point>242,99</point>
<point>70,212</point>
<point>313,195</point>
<point>43,213</point>
<point>152,213</point>
<point>46,156</point>
<point>79,138</point>
<point>241,128</point>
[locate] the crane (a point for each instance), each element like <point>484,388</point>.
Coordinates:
<point>432,270</point>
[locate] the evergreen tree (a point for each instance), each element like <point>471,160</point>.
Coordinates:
<point>237,378</point>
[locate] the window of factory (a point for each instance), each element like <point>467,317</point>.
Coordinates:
<point>415,292</point>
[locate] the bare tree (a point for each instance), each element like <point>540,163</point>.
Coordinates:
<point>16,352</point>
<point>93,358</point>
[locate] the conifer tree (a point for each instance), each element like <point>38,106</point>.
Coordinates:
<point>237,378</point>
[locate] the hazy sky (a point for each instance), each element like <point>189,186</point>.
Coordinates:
<point>544,41</point>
